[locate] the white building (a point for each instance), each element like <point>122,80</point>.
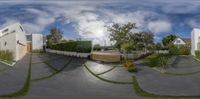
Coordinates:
<point>195,37</point>
<point>13,38</point>
<point>182,41</point>
<point>35,42</point>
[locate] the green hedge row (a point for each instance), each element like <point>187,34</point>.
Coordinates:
<point>74,46</point>
<point>197,54</point>
<point>181,50</point>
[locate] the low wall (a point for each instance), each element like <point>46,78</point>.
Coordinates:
<point>106,57</point>
<point>75,54</point>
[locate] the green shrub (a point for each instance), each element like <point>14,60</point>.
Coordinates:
<point>136,55</point>
<point>197,54</point>
<point>173,50</point>
<point>155,60</point>
<point>151,60</point>
<point>162,61</point>
<point>74,46</point>
<point>184,50</point>
<point>6,56</point>
<point>84,46</point>
<point>129,65</point>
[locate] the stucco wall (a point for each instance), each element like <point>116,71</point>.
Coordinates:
<point>8,42</point>
<point>21,37</point>
<point>37,41</point>
<point>195,34</point>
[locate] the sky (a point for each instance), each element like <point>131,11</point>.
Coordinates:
<point>89,19</point>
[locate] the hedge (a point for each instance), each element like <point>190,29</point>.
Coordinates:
<point>75,46</point>
<point>197,54</point>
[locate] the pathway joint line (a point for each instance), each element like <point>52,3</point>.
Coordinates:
<point>103,79</point>
<point>49,65</point>
<point>106,71</point>
<point>53,74</point>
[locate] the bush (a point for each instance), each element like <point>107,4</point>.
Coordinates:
<point>197,54</point>
<point>129,65</point>
<point>74,46</point>
<point>184,50</point>
<point>6,56</point>
<point>97,47</point>
<point>173,50</point>
<point>151,60</point>
<point>84,46</point>
<point>162,61</point>
<point>155,60</point>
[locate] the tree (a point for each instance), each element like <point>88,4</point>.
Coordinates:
<point>147,40</point>
<point>168,39</point>
<point>54,37</point>
<point>158,46</point>
<point>121,34</point>
<point>143,40</point>
<point>97,47</point>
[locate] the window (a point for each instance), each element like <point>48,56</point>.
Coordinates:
<point>13,31</point>
<point>178,41</point>
<point>6,30</point>
<point>21,28</point>
<point>5,43</point>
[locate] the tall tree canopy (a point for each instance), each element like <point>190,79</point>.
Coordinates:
<point>54,36</point>
<point>168,39</point>
<point>143,39</point>
<point>121,34</point>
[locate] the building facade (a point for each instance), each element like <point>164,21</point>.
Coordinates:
<point>182,42</point>
<point>195,40</point>
<point>13,38</point>
<point>34,42</point>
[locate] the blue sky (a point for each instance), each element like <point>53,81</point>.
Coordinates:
<point>89,19</point>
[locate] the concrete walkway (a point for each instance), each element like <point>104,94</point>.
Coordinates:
<point>14,78</point>
<point>75,82</point>
<point>185,64</point>
<point>163,84</point>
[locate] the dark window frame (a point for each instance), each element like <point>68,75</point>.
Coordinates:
<point>21,28</point>
<point>5,43</point>
<point>6,30</point>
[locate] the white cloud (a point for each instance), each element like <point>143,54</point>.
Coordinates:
<point>42,20</point>
<point>159,26</point>
<point>194,23</point>
<point>90,21</point>
<point>8,22</point>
